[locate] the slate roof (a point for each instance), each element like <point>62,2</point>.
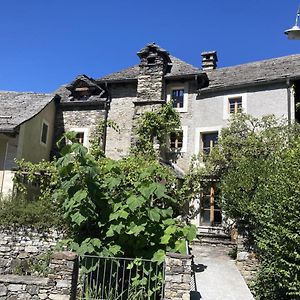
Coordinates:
<point>16,108</point>
<point>65,91</point>
<point>179,68</point>
<point>264,71</point>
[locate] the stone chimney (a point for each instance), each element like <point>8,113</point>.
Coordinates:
<point>209,60</point>
<point>155,63</point>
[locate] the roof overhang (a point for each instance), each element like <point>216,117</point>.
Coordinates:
<point>216,89</point>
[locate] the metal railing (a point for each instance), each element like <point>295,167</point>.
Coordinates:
<point>118,278</point>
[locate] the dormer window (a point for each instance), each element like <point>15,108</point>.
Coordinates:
<point>82,93</point>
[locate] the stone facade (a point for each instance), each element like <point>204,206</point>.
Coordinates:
<point>177,277</point>
<point>61,283</point>
<point>154,63</point>
<point>21,244</point>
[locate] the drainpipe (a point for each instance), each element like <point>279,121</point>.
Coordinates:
<point>107,107</point>
<point>4,163</point>
<point>288,83</point>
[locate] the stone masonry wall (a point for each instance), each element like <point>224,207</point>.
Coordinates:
<point>76,117</point>
<point>24,243</point>
<point>121,113</point>
<point>178,277</point>
<point>60,285</point>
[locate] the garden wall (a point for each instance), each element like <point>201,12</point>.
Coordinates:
<point>60,284</point>
<point>20,244</point>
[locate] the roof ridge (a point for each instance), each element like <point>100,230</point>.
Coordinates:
<point>256,62</point>
<point>183,61</point>
<point>25,93</point>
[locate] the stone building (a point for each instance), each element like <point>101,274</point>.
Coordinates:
<point>205,98</point>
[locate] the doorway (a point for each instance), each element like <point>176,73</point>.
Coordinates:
<point>210,211</point>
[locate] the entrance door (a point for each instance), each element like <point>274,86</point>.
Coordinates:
<point>210,212</point>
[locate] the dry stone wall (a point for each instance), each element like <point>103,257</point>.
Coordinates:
<point>178,277</point>
<point>23,244</point>
<point>61,283</point>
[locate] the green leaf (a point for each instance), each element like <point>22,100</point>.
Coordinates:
<point>154,215</point>
<point>159,256</point>
<point>165,239</point>
<point>136,229</point>
<point>134,202</point>
<point>189,232</point>
<point>114,249</point>
<point>180,246</point>
<point>78,218</point>
<point>148,190</point>
<point>160,191</point>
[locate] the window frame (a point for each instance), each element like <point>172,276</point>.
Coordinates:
<point>185,87</point>
<point>184,130</point>
<point>211,145</point>
<point>85,132</point>
<point>226,104</point>
<point>44,122</point>
<point>199,131</point>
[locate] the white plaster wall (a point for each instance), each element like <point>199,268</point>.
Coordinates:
<point>207,111</point>
<point>8,152</point>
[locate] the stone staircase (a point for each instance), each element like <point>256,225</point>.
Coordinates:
<point>213,236</point>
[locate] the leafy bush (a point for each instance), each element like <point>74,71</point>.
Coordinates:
<point>126,207</point>
<point>257,161</point>
<point>19,212</point>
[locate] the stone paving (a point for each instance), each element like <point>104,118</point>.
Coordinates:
<point>217,277</point>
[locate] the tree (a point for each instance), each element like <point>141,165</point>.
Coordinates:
<point>257,161</point>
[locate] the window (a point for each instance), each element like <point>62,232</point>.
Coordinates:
<point>82,93</point>
<point>176,140</point>
<point>177,98</point>
<point>235,105</point>
<point>208,140</point>
<point>44,133</point>
<point>80,137</point>
<point>177,94</point>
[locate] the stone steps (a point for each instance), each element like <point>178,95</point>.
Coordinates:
<point>213,236</point>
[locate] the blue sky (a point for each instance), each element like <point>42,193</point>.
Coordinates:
<point>47,43</point>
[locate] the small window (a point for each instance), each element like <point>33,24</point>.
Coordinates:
<point>44,134</point>
<point>176,140</point>
<point>79,137</point>
<point>235,105</point>
<point>151,60</point>
<point>209,140</point>
<point>177,98</point>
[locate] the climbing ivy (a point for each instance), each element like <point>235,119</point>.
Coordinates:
<point>155,125</point>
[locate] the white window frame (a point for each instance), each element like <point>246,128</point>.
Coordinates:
<point>226,113</point>
<point>202,130</point>
<point>47,135</point>
<point>86,140</point>
<point>184,130</point>
<point>185,88</point>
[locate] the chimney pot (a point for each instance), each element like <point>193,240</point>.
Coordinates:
<point>209,60</point>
